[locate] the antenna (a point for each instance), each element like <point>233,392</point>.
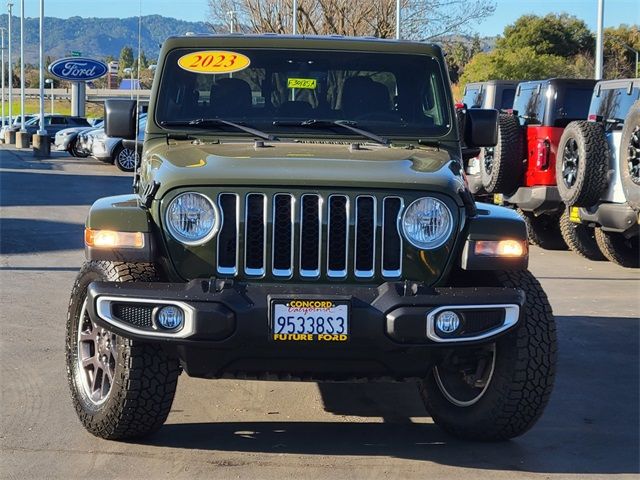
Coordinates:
<point>135,153</point>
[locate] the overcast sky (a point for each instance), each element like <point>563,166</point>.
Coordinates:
<point>616,11</point>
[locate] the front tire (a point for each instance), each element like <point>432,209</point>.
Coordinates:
<point>512,382</point>
<point>120,388</point>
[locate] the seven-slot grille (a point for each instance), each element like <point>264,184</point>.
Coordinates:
<point>309,235</point>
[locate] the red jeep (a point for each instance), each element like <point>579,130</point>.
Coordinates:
<point>521,169</point>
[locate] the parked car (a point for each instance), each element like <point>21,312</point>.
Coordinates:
<point>278,240</point>
<point>521,171</point>
<point>15,125</point>
<point>598,175</point>
<point>112,150</point>
<point>54,123</point>
<point>67,140</point>
<point>497,94</point>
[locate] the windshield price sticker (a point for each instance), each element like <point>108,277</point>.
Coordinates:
<point>214,61</point>
<point>310,321</point>
<point>310,83</point>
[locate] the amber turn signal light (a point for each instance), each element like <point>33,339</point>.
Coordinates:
<point>113,239</point>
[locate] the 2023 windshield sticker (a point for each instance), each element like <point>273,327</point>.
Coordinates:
<point>214,61</point>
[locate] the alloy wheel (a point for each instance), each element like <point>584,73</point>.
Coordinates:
<point>97,354</point>
<point>127,159</point>
<point>633,158</point>
<point>488,160</point>
<point>570,160</point>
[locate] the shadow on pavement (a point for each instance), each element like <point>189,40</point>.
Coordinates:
<point>590,425</point>
<point>19,235</point>
<point>33,188</point>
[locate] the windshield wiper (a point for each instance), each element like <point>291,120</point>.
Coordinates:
<point>214,122</point>
<point>347,124</point>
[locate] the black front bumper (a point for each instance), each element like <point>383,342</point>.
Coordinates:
<point>228,332</point>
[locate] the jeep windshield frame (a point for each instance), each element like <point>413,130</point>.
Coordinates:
<point>393,95</point>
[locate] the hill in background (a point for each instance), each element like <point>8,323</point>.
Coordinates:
<point>97,37</point>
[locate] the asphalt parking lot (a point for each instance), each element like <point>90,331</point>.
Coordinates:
<point>234,429</point>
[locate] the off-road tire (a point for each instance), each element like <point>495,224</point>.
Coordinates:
<point>619,249</point>
<point>544,230</point>
<point>522,381</point>
<point>507,168</point>
<point>145,375</point>
<point>630,157</point>
<point>580,238</point>
<point>591,176</point>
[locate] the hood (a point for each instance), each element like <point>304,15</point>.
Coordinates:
<point>312,164</point>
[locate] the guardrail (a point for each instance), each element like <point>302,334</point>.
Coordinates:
<point>93,94</point>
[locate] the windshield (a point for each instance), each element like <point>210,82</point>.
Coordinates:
<point>389,94</point>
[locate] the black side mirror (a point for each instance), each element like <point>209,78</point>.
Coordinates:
<point>120,118</point>
<point>481,127</point>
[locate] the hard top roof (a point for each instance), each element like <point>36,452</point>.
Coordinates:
<point>272,40</point>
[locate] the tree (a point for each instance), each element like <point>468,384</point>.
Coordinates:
<point>562,35</point>
<point>518,64</point>
<point>421,19</point>
<point>126,59</point>
<point>619,61</point>
<point>459,53</point>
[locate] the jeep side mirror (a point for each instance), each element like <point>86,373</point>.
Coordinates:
<point>481,127</point>
<point>120,118</point>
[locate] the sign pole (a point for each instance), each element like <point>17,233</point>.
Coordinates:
<point>41,144</point>
<point>22,138</point>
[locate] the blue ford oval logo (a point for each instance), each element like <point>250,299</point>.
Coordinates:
<point>78,69</point>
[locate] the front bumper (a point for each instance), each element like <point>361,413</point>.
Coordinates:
<point>227,326</point>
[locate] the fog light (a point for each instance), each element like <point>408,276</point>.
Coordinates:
<point>447,322</point>
<point>170,317</point>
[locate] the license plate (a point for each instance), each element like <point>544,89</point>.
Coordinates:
<point>574,215</point>
<point>310,320</point>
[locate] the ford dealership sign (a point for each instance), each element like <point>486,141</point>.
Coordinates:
<point>78,69</point>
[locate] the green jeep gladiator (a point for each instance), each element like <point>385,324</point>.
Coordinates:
<point>300,212</point>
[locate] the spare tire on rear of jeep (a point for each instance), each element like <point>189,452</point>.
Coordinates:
<point>629,158</point>
<point>502,166</point>
<point>582,164</point>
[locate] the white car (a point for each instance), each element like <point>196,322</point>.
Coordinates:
<point>109,149</point>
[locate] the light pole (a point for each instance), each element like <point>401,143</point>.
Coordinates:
<point>129,70</point>
<point>22,129</point>
<point>599,40</point>
<point>232,20</point>
<point>633,50</point>
<point>41,144</point>
<point>397,19</point>
<point>42,130</point>
<point>2,30</point>
<point>295,17</point>
<point>50,81</point>
<point>10,7</point>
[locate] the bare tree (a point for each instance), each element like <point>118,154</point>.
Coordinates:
<point>421,19</point>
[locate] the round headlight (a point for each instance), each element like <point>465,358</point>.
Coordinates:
<point>192,218</point>
<point>427,223</point>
